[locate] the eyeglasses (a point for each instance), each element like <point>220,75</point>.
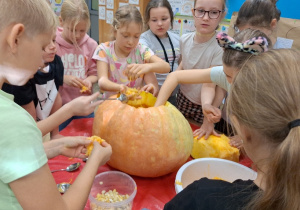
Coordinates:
<point>212,14</point>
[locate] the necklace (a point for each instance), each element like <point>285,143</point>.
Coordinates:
<point>165,52</point>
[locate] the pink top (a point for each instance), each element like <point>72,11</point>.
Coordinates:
<point>116,66</point>
<point>77,62</point>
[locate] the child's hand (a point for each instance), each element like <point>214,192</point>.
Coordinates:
<point>123,88</point>
<point>206,130</point>
<point>236,141</point>
<point>88,83</point>
<point>134,71</point>
<point>213,114</point>
<point>101,152</point>
<point>73,81</point>
<point>150,88</point>
<point>84,105</point>
<point>72,146</point>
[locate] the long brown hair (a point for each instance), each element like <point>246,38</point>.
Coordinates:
<point>265,97</point>
<point>258,13</point>
<point>155,4</point>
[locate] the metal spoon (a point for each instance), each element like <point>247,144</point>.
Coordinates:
<point>123,98</point>
<point>71,167</point>
<point>63,187</point>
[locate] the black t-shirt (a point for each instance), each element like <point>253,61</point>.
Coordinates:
<point>25,94</point>
<point>206,194</point>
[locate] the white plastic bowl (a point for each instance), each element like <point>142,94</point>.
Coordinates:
<point>210,168</point>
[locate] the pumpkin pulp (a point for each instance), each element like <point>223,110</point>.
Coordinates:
<point>139,98</point>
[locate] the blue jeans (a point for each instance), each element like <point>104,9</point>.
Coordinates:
<point>67,122</point>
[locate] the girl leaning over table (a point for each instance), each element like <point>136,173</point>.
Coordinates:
<point>271,134</point>
<point>125,62</point>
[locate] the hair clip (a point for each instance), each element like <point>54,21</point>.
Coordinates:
<point>254,46</point>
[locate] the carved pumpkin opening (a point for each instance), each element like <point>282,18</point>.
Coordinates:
<point>138,98</point>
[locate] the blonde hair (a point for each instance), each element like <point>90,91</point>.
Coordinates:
<point>125,15</point>
<point>74,11</point>
<point>36,15</point>
<point>265,97</point>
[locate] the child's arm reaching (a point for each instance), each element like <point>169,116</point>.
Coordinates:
<point>80,106</point>
<point>89,81</point>
<point>155,65</point>
<point>151,84</point>
<point>104,83</point>
<point>211,98</point>
<point>73,81</point>
<point>56,106</point>
<point>181,77</point>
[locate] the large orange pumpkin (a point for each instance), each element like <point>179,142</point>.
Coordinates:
<point>146,141</point>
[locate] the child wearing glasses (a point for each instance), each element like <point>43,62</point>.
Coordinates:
<point>200,50</point>
<point>262,15</point>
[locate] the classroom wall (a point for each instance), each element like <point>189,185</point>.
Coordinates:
<point>288,8</point>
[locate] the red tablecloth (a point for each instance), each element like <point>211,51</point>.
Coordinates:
<point>152,193</point>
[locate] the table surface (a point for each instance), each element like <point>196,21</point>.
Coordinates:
<point>152,193</point>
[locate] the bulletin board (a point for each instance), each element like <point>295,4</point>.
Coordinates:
<point>56,6</point>
<point>107,8</point>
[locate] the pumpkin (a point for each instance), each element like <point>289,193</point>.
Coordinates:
<point>146,141</point>
<point>83,89</point>
<point>90,147</point>
<point>215,146</point>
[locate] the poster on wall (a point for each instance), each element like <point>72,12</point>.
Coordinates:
<point>56,6</point>
<point>101,2</point>
<point>182,7</point>
<point>188,26</point>
<point>110,4</point>
<point>186,8</point>
<point>133,1</point>
<point>123,4</point>
<point>176,6</point>
<point>176,26</point>
<point>101,13</point>
<point>109,16</point>
<point>182,25</point>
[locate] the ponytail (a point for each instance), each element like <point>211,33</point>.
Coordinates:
<point>265,98</point>
<point>282,189</point>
